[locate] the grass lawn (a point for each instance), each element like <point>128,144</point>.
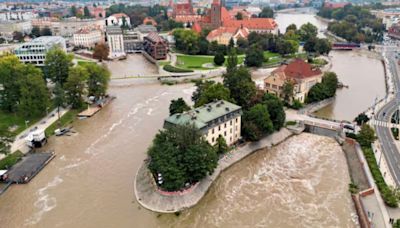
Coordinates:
<point>11,160</point>
<point>268,54</point>
<point>66,119</point>
<point>84,63</point>
<point>163,63</point>
<point>196,62</point>
<point>8,120</point>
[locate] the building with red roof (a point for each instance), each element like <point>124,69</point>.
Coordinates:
<point>155,46</point>
<point>149,21</point>
<point>223,35</point>
<point>303,75</point>
<point>335,5</point>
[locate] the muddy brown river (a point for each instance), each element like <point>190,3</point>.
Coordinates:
<point>303,182</point>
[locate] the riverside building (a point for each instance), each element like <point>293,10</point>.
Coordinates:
<point>213,119</point>
<point>34,52</point>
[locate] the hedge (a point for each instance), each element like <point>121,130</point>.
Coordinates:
<point>387,194</point>
<point>10,160</point>
<point>173,69</point>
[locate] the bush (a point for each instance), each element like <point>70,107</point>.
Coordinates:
<point>219,59</point>
<point>173,69</point>
<point>11,160</point>
<point>291,123</point>
<point>296,104</point>
<point>387,194</point>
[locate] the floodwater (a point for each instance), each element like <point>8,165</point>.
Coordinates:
<point>134,65</point>
<point>364,74</point>
<point>90,182</point>
<point>361,70</point>
<point>300,183</point>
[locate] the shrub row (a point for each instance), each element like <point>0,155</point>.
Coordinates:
<point>10,160</point>
<point>387,193</point>
<point>173,69</point>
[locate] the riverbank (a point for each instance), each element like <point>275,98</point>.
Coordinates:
<point>150,198</point>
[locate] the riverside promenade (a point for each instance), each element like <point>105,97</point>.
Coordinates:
<point>152,199</point>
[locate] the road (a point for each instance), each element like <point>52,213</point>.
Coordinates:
<point>390,151</point>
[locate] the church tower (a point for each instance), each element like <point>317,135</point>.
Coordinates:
<point>215,14</point>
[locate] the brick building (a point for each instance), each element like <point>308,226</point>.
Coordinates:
<point>155,46</point>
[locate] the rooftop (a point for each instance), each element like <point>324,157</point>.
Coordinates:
<point>298,69</point>
<point>202,115</point>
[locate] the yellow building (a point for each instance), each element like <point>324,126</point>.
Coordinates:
<point>300,73</point>
<point>213,119</point>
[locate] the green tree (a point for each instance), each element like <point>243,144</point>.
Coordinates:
<point>178,106</point>
<point>34,95</point>
<point>10,75</point>
<point>309,45</point>
<point>59,100</point>
<point>291,27</point>
<point>180,155</point>
<point>275,110</point>
<point>231,43</point>
<point>239,16</point>
<point>6,141</point>
<point>75,86</point>
<point>254,57</point>
<point>330,82</point>
<point>257,122</point>
<point>219,59</point>
<point>241,86</point>
<point>124,23</point>
<point>266,13</point>
<point>366,136</point>
<point>220,145</point>
<point>18,36</point>
<point>200,87</point>
<point>98,78</point>
<point>86,12</point>
<point>323,46</point>
<point>46,31</point>
<point>57,65</point>
<point>35,31</point>
<point>285,47</point>
<point>288,91</point>
<point>186,41</point>
<point>73,11</point>
<point>308,31</point>
<point>215,91</point>
<point>232,61</point>
<point>361,119</point>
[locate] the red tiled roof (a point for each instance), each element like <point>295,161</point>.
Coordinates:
<point>241,32</point>
<point>154,37</point>
<point>252,23</point>
<point>187,18</point>
<point>151,20</point>
<point>335,5</point>
<point>298,69</point>
<point>196,27</point>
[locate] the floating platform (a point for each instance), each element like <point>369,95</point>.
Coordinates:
<point>91,110</point>
<point>28,167</point>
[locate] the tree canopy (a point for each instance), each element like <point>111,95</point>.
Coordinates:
<point>97,81</point>
<point>178,106</point>
<point>57,65</point>
<point>181,156</point>
<point>266,12</point>
<point>257,122</point>
<point>75,86</point>
<point>241,86</point>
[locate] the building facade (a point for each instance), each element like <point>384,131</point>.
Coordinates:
<point>34,52</point>
<point>133,41</point>
<point>87,38</point>
<point>67,27</point>
<point>301,74</point>
<point>118,19</point>
<point>155,46</point>
<point>219,118</point>
<point>115,41</point>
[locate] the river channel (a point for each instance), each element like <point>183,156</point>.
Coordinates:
<point>300,183</point>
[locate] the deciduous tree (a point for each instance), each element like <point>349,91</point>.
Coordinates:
<point>178,106</point>
<point>101,52</point>
<point>98,78</point>
<point>75,86</point>
<point>57,65</point>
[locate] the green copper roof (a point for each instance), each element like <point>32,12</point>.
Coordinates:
<point>203,114</point>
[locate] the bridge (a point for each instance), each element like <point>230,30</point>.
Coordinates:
<point>345,46</point>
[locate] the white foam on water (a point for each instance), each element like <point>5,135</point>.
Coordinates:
<point>150,111</point>
<point>45,201</point>
<point>295,184</point>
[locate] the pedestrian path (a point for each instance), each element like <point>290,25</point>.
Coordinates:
<point>383,123</point>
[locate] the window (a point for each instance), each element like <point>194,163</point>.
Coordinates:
<point>219,127</point>
<point>231,130</point>
<point>212,139</point>
<point>212,131</point>
<point>224,133</point>
<point>231,122</point>
<point>236,120</point>
<point>225,125</point>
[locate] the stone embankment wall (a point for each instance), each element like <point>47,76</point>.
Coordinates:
<point>148,195</point>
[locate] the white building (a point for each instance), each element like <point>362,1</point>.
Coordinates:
<point>9,27</point>
<point>219,118</point>
<point>17,15</point>
<point>115,40</point>
<point>118,19</point>
<point>34,52</point>
<point>87,38</point>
